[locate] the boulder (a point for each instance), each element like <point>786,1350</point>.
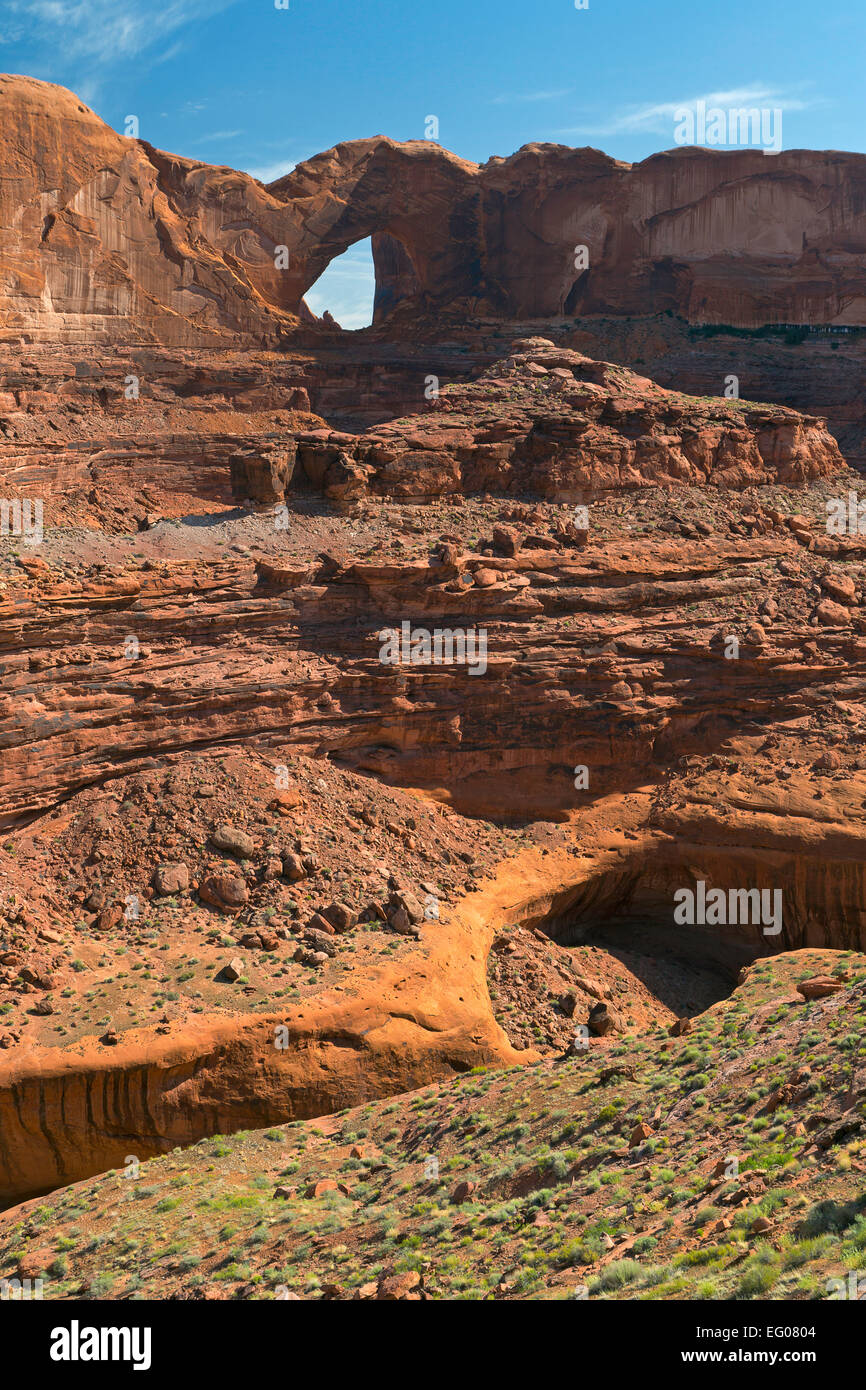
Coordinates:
<point>394,1287</point>
<point>819,987</point>
<point>341,917</point>
<point>225,891</point>
<point>294,868</point>
<point>233,971</point>
<point>639,1135</point>
<point>604,1019</point>
<point>462,1193</point>
<point>830,614</point>
<point>840,587</point>
<point>169,879</point>
<point>681,1026</point>
<point>318,1189</point>
<point>233,841</point>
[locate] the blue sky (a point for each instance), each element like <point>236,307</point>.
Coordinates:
<point>244,83</point>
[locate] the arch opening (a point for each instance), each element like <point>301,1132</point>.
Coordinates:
<point>344,294</point>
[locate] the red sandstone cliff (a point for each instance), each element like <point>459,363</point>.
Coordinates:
<point>104,237</point>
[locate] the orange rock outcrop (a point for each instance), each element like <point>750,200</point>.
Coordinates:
<point>107,238</point>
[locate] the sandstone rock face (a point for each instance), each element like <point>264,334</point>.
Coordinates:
<point>102,238</point>
<point>140,641</point>
<point>714,237</point>
<point>262,476</point>
<point>201,435</point>
<point>66,1112</point>
<point>552,423</point>
<point>275,640</point>
<point>108,239</point>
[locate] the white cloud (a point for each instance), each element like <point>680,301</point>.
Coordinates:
<point>104,31</point>
<point>216,135</point>
<point>659,119</point>
<point>269,173</point>
<point>507,99</point>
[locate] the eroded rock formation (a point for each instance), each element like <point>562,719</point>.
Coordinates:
<point>673,677</point>
<point>103,238</point>
<point>550,423</point>
<point>107,238</point>
<point>543,421</point>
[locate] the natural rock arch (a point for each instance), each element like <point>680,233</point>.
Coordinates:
<point>421,208</point>
<point>113,240</point>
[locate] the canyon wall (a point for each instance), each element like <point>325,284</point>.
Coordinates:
<point>104,237</point>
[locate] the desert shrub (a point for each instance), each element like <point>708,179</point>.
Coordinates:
<point>616,1276</point>
<point>831,1217</point>
<point>758,1278</point>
